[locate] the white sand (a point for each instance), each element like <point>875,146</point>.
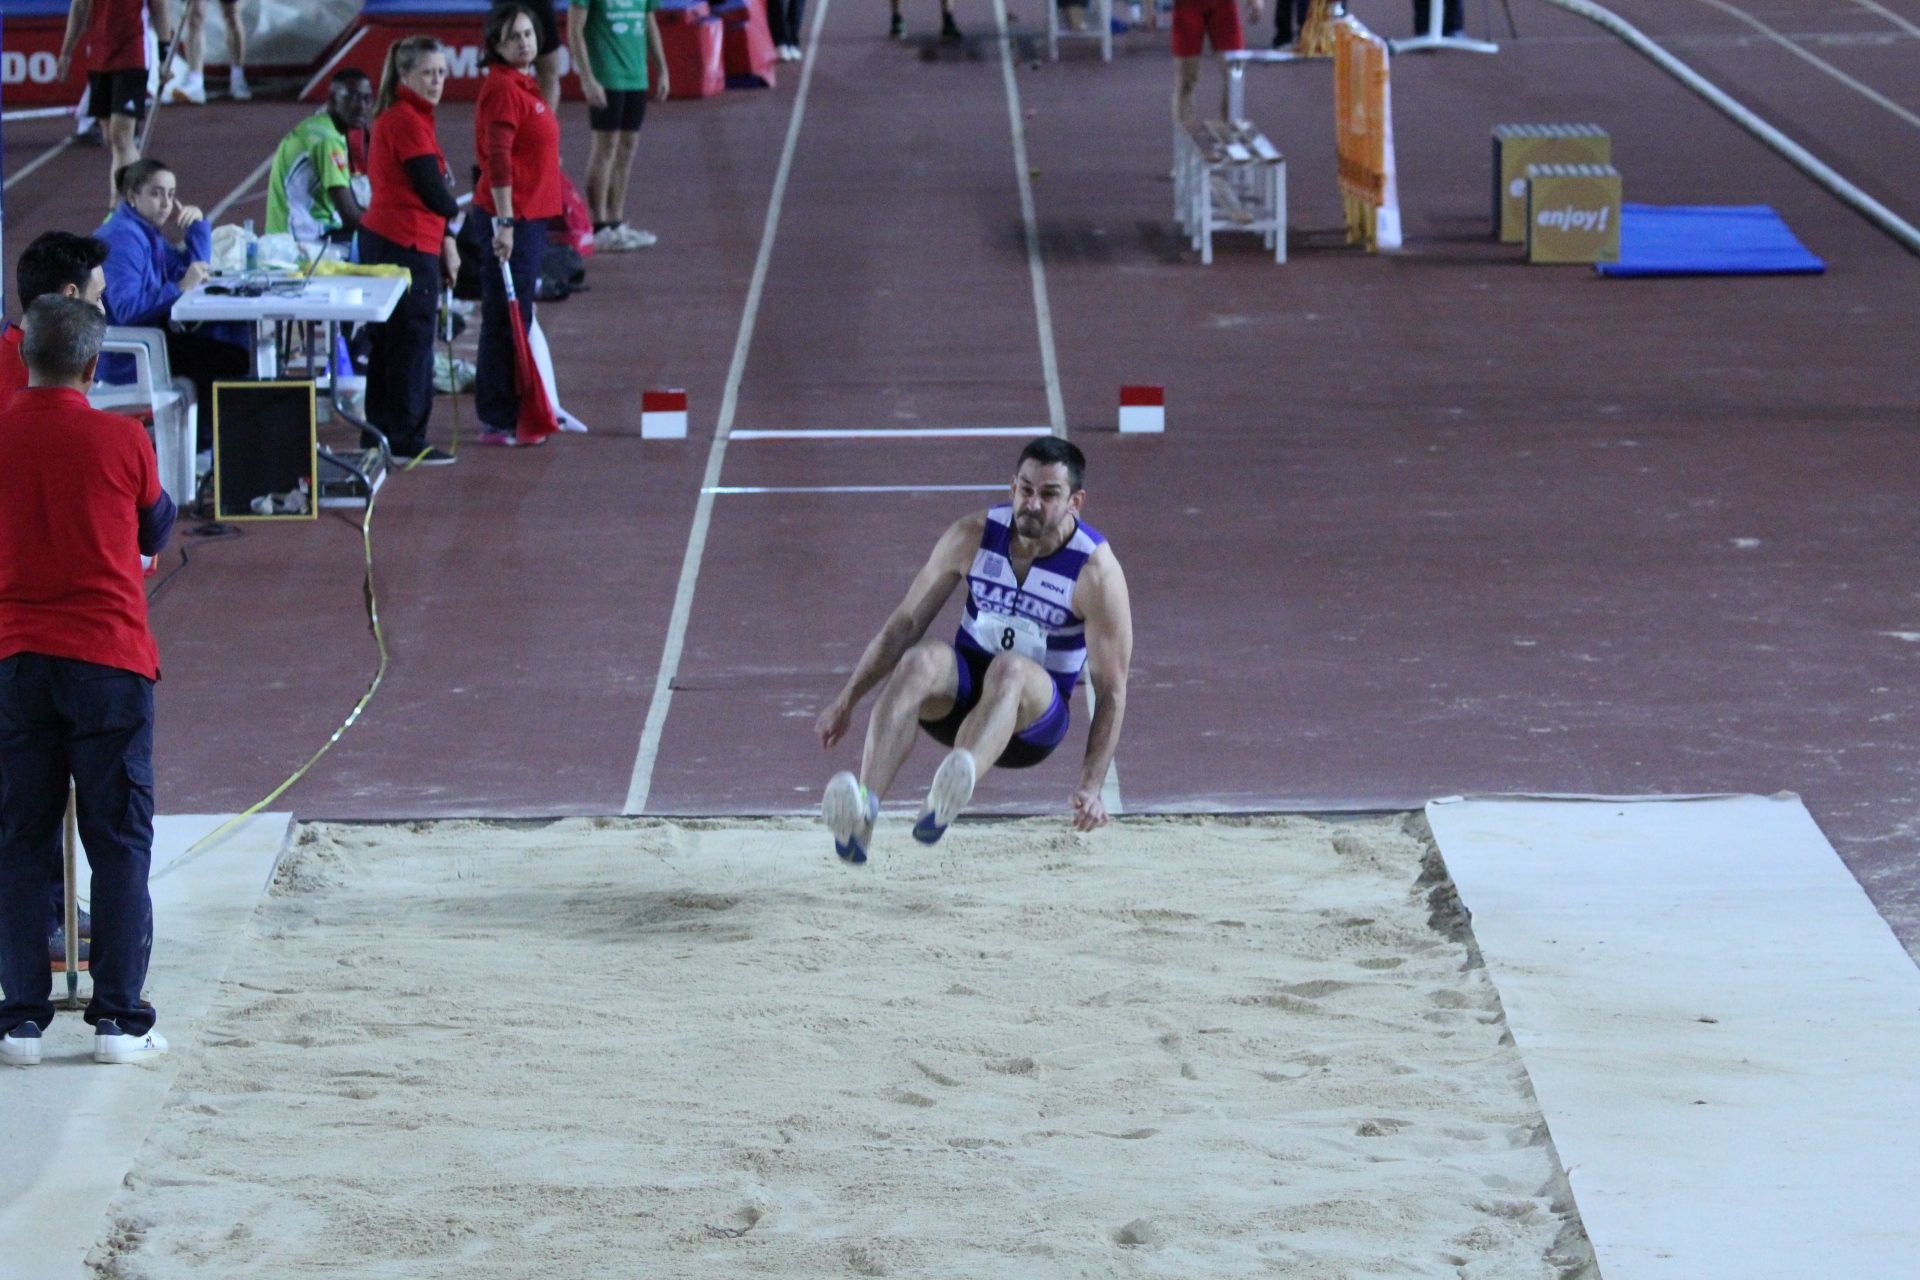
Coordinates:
<point>606,1048</point>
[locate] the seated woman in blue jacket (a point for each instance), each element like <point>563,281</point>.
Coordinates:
<point>146,274</point>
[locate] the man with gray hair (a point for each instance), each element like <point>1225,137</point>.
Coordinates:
<point>80,502</point>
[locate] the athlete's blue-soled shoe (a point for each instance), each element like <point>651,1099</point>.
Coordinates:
<point>850,811</point>
<point>952,788</point>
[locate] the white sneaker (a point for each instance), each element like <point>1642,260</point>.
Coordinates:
<point>952,788</point>
<point>237,87</point>
<point>190,88</point>
<point>20,1047</point>
<point>608,240</point>
<point>110,1044</point>
<point>850,811</point>
<point>636,238</point>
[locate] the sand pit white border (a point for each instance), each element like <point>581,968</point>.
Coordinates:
<point>70,1129</point>
<point>1721,1030</point>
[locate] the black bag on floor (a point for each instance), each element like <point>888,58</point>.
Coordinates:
<point>562,271</point>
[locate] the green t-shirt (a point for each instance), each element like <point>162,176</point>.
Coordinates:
<point>616,40</point>
<point>308,163</point>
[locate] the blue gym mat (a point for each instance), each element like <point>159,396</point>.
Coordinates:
<point>1708,240</point>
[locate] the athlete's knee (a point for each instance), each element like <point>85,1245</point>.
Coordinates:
<point>1013,672</point>
<point>923,666</point>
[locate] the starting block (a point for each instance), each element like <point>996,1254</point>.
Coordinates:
<point>1228,177</point>
<point>1143,410</point>
<point>663,415</point>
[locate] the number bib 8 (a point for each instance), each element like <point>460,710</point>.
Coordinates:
<point>1002,633</point>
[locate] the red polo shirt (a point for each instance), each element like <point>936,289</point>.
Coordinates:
<point>73,482</point>
<point>13,368</point>
<point>518,143</point>
<point>403,132</point>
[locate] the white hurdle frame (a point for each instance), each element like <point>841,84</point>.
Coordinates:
<point>1253,177</point>
<point>1104,35</point>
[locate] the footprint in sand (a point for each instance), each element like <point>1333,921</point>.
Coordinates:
<point>1382,1127</point>
<point>938,1077</point>
<point>1138,1234</point>
<point>1379,963</point>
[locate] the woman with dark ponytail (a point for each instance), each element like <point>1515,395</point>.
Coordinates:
<point>146,273</point>
<point>406,225</point>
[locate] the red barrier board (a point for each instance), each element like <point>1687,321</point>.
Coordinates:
<point>692,51</point>
<point>29,61</point>
<point>749,46</point>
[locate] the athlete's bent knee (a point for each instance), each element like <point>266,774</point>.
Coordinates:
<point>1013,671</point>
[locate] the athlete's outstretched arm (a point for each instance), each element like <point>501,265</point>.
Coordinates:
<point>951,558</point>
<point>1109,617</point>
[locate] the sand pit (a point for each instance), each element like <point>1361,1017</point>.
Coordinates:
<point>605,1048</point>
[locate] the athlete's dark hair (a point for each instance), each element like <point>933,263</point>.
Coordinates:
<point>128,179</point>
<point>350,75</point>
<point>1048,450</point>
<point>499,18</point>
<point>55,260</point>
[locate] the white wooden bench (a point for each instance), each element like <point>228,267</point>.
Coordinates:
<point>1229,177</point>
<point>1099,12</point>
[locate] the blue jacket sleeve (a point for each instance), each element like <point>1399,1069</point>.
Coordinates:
<point>156,525</point>
<point>138,290</point>
<point>199,243</point>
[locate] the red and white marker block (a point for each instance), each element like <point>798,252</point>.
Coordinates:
<point>663,415</point>
<point>1144,408</point>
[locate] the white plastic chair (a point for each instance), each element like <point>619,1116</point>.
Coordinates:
<point>171,400</point>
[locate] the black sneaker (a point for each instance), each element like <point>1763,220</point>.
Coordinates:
<point>949,32</point>
<point>896,28</point>
<point>432,457</point>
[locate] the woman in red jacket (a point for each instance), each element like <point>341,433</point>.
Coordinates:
<point>406,225</point>
<point>518,141</point>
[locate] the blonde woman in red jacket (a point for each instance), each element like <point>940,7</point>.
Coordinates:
<point>518,143</point>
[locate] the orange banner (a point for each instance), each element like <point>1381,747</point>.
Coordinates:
<point>1360,110</point>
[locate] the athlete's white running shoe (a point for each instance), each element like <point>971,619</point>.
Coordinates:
<point>237,87</point>
<point>952,788</point>
<point>850,811</point>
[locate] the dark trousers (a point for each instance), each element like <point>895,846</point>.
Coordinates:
<point>1452,18</point>
<point>494,398</point>
<point>1288,17</point>
<point>203,361</point>
<point>62,718</point>
<point>784,20</point>
<point>400,366</point>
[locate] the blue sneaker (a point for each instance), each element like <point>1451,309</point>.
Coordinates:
<point>952,788</point>
<point>20,1047</point>
<point>850,811</point>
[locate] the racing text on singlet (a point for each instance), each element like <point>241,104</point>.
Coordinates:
<point>1034,618</point>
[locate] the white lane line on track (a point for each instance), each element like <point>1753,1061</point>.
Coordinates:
<point>729,491</point>
<point>27,169</point>
<point>1870,94</point>
<point>1880,10</point>
<point>640,784</point>
<point>1042,311</point>
<point>885,433</point>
